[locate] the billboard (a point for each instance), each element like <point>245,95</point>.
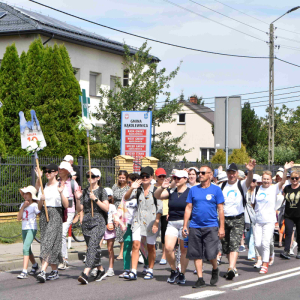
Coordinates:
<point>136,130</point>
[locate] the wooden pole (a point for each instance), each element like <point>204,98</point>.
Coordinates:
<point>89,156</point>
<point>41,183</point>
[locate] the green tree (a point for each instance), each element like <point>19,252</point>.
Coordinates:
<point>146,84</point>
<point>2,144</point>
<point>23,62</point>
<point>239,156</point>
<point>219,157</point>
<point>10,77</point>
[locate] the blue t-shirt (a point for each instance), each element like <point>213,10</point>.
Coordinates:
<point>205,201</point>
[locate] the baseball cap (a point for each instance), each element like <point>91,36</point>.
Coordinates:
<point>280,170</point>
<point>95,172</point>
<point>222,176</point>
<point>280,174</point>
<point>241,174</point>
<point>68,158</point>
<point>108,191</point>
<point>29,189</point>
<point>181,173</point>
<point>160,171</point>
<point>257,177</point>
<point>51,167</point>
<point>195,169</point>
<point>147,170</point>
<point>65,165</point>
<point>232,167</point>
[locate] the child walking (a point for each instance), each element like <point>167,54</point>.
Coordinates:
<point>28,212</point>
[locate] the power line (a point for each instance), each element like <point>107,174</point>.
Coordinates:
<point>184,8</point>
<point>287,62</point>
<point>227,16</point>
<point>146,38</point>
<point>277,103</point>
<point>288,30</point>
<point>284,38</point>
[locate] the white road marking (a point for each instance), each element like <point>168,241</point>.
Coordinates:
<point>204,294</point>
<point>266,281</point>
<point>259,277</point>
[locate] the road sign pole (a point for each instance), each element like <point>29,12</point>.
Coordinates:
<point>226,130</point>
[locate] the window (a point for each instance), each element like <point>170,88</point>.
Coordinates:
<point>181,119</point>
<point>206,154</point>
<point>113,80</point>
<point>95,83</point>
<point>126,77</point>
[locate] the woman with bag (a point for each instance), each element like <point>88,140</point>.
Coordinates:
<point>93,227</point>
<point>51,232</point>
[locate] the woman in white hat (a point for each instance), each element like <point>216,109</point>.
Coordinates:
<point>27,213</point>
<point>51,232</point>
<point>93,228</point>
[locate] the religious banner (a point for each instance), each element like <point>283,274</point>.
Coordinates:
<point>136,130</point>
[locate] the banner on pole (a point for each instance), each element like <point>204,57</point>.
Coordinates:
<point>136,130</point>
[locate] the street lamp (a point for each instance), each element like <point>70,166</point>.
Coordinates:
<point>271,90</point>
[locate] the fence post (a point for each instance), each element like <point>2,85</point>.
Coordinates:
<point>32,170</point>
<point>80,163</point>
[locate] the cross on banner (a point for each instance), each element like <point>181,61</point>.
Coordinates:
<point>85,101</point>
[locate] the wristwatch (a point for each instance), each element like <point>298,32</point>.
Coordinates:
<point>96,200</point>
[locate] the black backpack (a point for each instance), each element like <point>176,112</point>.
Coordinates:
<point>256,190</point>
<point>140,190</point>
<point>240,189</point>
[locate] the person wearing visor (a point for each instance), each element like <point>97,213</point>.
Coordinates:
<point>51,232</point>
<point>177,203</point>
<point>149,212</point>
<point>65,171</point>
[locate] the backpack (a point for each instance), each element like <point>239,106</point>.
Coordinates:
<point>140,190</point>
<point>240,189</point>
<point>256,190</point>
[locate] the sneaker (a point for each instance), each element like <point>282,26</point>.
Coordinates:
<point>173,276</point>
<point>230,274</point>
<point>285,255</point>
<point>294,245</point>
<point>100,275</point>
<point>236,274</point>
<point>163,262</point>
<point>41,277</point>
<point>23,275</point>
<point>251,259</point>
<point>298,255</point>
<point>53,275</point>
<point>181,279</point>
<point>214,276</point>
<point>94,272</point>
<point>34,270</point>
<point>110,273</point>
<point>83,278</point>
<point>199,283</point>
<point>258,264</point>
<point>63,266</point>
<point>219,259</point>
<point>242,249</point>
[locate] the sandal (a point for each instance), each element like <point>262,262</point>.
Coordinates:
<point>131,276</point>
<point>125,273</point>
<point>263,270</point>
<point>148,276</point>
<point>119,258</point>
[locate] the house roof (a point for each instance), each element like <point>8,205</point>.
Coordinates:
<point>16,21</point>
<point>203,111</point>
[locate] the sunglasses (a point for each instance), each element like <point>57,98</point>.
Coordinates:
<point>49,171</point>
<point>161,176</point>
<point>254,180</point>
<point>295,178</point>
<point>145,176</point>
<point>203,173</point>
<point>177,178</point>
<point>92,176</point>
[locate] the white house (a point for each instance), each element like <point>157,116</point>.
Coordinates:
<point>196,121</point>
<point>97,59</point>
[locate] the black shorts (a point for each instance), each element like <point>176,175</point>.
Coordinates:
<point>203,243</point>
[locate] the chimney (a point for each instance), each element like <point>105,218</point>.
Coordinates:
<point>193,99</point>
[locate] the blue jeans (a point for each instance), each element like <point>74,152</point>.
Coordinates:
<point>249,239</point>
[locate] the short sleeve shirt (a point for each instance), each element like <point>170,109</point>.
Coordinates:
<point>292,202</point>
<point>205,202</point>
<point>29,216</point>
<point>233,205</point>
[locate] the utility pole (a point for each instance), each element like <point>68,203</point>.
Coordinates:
<point>271,97</point>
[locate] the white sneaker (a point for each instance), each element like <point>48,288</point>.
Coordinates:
<point>63,266</point>
<point>294,245</point>
<point>110,273</point>
<point>52,276</point>
<point>236,274</point>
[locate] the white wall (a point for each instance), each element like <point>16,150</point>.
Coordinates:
<point>83,58</point>
<point>199,133</point>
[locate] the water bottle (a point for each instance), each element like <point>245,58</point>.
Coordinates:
<point>186,240</point>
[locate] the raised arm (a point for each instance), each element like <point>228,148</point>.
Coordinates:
<point>134,186</point>
<point>286,167</point>
<point>250,167</point>
<point>161,192</point>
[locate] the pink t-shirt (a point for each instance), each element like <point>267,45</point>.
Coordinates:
<point>68,193</point>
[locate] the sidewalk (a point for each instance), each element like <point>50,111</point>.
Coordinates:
<point>11,255</point>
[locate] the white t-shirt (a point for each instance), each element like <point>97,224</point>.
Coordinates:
<point>131,209</point>
<point>233,204</point>
<point>265,204</point>
<point>111,211</point>
<point>52,195</point>
<point>29,216</point>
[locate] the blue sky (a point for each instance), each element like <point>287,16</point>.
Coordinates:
<point>202,74</point>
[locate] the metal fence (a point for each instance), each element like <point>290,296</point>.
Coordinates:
<point>169,166</point>
<point>17,172</point>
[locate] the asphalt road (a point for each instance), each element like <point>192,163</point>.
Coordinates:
<point>282,282</point>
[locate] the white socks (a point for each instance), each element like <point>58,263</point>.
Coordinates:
<point>133,271</point>
<point>24,271</point>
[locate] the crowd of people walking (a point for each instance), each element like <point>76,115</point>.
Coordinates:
<point>203,214</point>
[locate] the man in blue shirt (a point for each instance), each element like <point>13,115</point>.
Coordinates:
<point>204,201</point>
